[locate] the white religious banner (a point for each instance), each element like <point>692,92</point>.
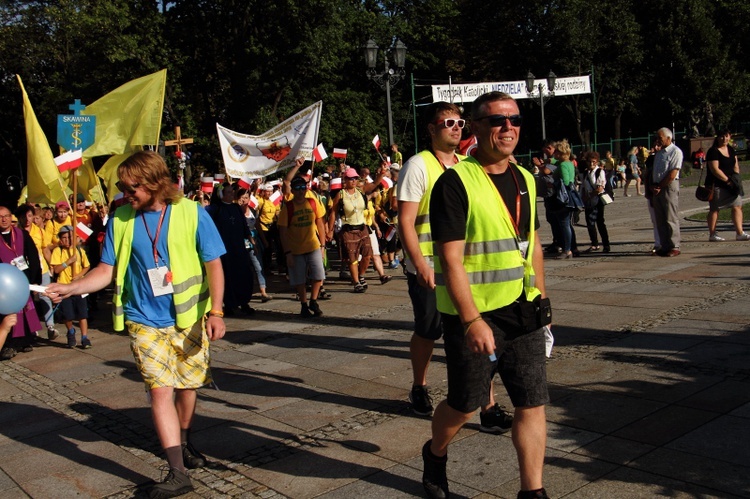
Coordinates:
<point>468,92</point>
<point>255,156</point>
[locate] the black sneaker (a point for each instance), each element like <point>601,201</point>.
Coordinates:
<point>362,282</point>
<point>497,420</point>
<point>72,338</point>
<point>305,311</point>
<point>315,308</point>
<point>434,478</point>
<point>421,403</point>
<point>532,494</point>
<point>176,484</point>
<point>191,457</point>
<point>7,353</point>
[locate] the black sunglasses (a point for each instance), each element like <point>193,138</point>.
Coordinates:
<point>451,122</point>
<point>499,119</point>
<point>127,189</point>
<point>299,188</point>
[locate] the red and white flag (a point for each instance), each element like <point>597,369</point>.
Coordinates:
<point>245,182</point>
<point>390,233</point>
<point>253,202</point>
<point>69,160</point>
<point>275,198</point>
<point>207,184</point>
<point>386,182</point>
<point>376,142</point>
<point>339,153</point>
<point>335,183</point>
<point>319,153</point>
<point>83,231</point>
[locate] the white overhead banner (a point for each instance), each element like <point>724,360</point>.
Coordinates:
<point>255,156</point>
<point>468,92</point>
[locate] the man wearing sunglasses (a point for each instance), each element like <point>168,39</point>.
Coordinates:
<point>303,233</point>
<point>417,178</point>
<point>163,252</point>
<point>490,292</point>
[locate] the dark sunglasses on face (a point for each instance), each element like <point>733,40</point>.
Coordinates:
<point>300,188</point>
<point>451,122</point>
<point>127,189</point>
<point>496,120</point>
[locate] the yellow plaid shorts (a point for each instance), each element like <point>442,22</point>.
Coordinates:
<point>170,357</point>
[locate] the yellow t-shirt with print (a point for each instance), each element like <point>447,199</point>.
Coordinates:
<point>60,255</point>
<point>302,235</point>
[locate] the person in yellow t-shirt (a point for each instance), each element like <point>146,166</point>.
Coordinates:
<point>70,265</point>
<point>302,230</point>
<point>62,218</point>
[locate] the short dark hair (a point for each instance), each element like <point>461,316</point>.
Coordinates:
<point>486,99</point>
<point>441,107</point>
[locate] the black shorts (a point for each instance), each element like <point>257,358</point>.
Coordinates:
<point>521,364</point>
<point>74,308</point>
<point>427,321</point>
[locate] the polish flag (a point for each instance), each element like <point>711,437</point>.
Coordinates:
<point>245,182</point>
<point>83,231</point>
<point>253,203</point>
<point>467,147</point>
<point>339,153</point>
<point>207,184</point>
<point>69,160</point>
<point>319,153</point>
<point>314,182</point>
<point>308,175</point>
<point>275,182</point>
<point>390,233</point>
<point>220,177</point>
<point>386,182</point>
<point>275,198</point>
<point>335,184</point>
<point>376,142</point>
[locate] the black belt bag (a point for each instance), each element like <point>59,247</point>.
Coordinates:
<point>535,314</point>
<point>349,228</point>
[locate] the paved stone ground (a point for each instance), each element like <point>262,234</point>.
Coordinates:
<point>649,381</point>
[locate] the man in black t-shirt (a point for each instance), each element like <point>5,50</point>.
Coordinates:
<point>486,246</point>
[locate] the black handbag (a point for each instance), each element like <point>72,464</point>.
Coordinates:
<point>703,192</point>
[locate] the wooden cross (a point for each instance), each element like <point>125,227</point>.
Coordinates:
<point>178,140</point>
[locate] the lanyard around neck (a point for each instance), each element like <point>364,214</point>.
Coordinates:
<point>155,240</point>
<point>12,245</point>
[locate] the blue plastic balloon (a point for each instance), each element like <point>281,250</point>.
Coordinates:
<point>14,289</point>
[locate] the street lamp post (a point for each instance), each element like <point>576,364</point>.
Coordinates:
<point>388,77</point>
<point>551,78</point>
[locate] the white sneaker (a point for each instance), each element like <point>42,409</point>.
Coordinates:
<point>716,238</point>
<point>743,237</point>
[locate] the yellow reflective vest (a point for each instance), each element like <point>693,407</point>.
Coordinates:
<point>191,294</point>
<point>433,169</point>
<point>496,269</point>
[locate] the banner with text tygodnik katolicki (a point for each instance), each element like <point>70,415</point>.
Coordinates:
<point>256,156</point>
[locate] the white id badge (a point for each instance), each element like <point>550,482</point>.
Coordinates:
<point>20,263</point>
<point>160,283</point>
<point>523,247</point>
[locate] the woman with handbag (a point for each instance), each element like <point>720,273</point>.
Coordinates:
<point>594,181</point>
<point>562,214</point>
<point>723,176</point>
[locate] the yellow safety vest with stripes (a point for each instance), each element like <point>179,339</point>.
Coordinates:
<point>191,295</point>
<point>496,269</point>
<point>433,169</point>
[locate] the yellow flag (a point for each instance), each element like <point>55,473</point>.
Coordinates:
<point>128,116</point>
<point>108,172</point>
<point>42,176</point>
<point>88,182</point>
